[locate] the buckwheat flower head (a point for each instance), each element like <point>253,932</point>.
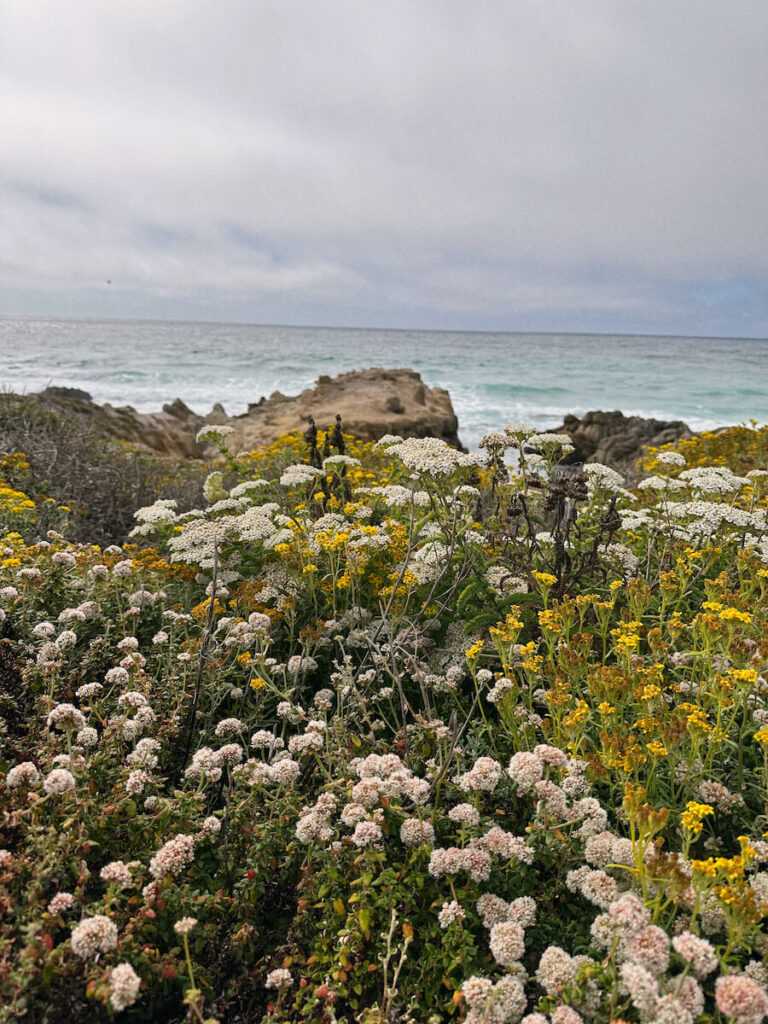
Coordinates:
<point>88,690</point>
<point>493,910</point>
<point>205,761</point>
<point>556,968</point>
<point>66,717</point>
<point>286,771</point>
<point>476,990</point>
<point>63,558</point>
<point>505,844</point>
<point>484,775</point>
<point>507,942</point>
<point>93,935</point>
<point>741,998</point>
<point>185,925</point>
<point>464,814</point>
<point>535,1018</point>
<point>367,833</point>
<point>698,952</point>
<point>67,638</point>
<point>450,913</point>
<point>641,987</point>
<point>88,737</point>
<point>43,630</point>
<point>61,903</point>
<point>629,914</point>
<point>650,948</point>
<point>599,888</point>
<point>525,769</point>
<point>415,832</point>
<point>173,857</point>
<point>228,726</point>
<point>117,675</point>
<point>566,1015</point>
<point>280,977</point>
<point>144,753</point>
<point>523,911</point>
<point>688,991</point>
<point>23,774</point>
<point>123,569</point>
<point>58,781</point>
<point>124,985</point>
<point>136,781</point>
<point>230,753</point>
<point>670,1009</point>
<point>116,873</point>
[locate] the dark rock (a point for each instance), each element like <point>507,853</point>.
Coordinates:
<point>617,440</point>
<point>75,394</point>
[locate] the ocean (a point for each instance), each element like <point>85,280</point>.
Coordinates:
<point>493,378</point>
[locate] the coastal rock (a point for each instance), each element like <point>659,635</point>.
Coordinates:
<point>371,403</point>
<point>166,433</point>
<point>617,440</point>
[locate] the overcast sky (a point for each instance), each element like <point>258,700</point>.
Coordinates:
<point>510,164</point>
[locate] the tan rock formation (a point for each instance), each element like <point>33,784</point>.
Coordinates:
<point>371,403</point>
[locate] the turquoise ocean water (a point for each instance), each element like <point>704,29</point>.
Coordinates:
<point>493,378</point>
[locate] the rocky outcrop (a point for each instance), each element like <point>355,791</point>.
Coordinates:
<point>617,440</point>
<point>371,403</point>
<point>170,434</point>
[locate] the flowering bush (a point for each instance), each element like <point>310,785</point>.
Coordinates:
<point>391,732</point>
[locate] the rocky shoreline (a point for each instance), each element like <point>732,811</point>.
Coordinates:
<point>371,403</point>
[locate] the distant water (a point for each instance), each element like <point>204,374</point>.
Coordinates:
<point>493,378</point>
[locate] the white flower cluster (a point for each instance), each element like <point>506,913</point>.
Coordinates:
<point>431,456</point>
<point>93,935</point>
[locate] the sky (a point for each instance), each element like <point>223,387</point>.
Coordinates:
<point>550,165</point>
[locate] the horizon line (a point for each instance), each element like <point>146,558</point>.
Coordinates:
<point>391,330</point>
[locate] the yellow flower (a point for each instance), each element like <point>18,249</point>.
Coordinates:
<point>616,585</point>
<point>657,748</point>
<point>244,658</point>
<point>257,683</point>
<point>473,652</point>
<point>762,736</point>
<point>693,816</point>
<point>546,579</point>
<point>743,675</point>
<point>729,614</point>
<point>605,708</point>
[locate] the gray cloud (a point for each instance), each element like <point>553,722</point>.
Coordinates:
<point>511,164</point>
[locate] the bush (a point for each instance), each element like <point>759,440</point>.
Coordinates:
<point>394,734</point>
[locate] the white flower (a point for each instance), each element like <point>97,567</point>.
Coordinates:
<point>124,985</point>
<point>58,781</point>
<point>93,935</point>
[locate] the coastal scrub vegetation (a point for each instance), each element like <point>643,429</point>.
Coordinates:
<point>389,732</point>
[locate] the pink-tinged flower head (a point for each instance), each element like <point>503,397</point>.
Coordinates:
<point>742,998</point>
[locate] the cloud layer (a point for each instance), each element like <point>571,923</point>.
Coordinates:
<point>520,165</point>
